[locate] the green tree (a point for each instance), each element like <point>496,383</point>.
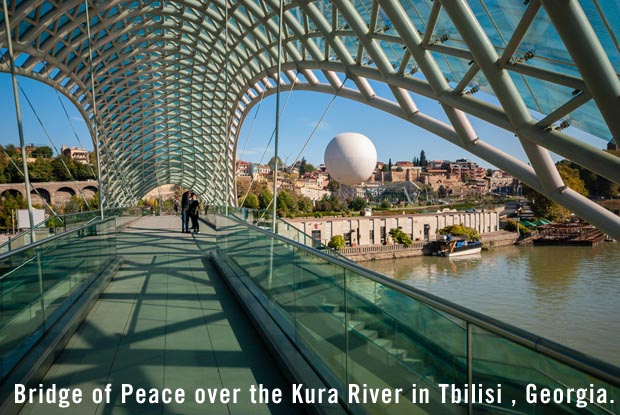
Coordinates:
<point>251,201</point>
<point>285,203</point>
<point>423,161</point>
<point>264,198</point>
<point>304,204</point>
<point>442,191</point>
<point>597,186</point>
<point>549,209</point>
<point>358,203</point>
<point>12,173</point>
<point>333,184</point>
<point>43,151</point>
<point>513,226</point>
<point>60,173</point>
<point>272,163</point>
<point>336,242</point>
<point>40,170</point>
<point>460,230</point>
<point>83,172</point>
<point>93,202</point>
<point>305,167</point>
<point>9,203</point>
<point>74,205</point>
<point>400,237</point>
<point>4,164</point>
<point>12,151</point>
<point>328,204</point>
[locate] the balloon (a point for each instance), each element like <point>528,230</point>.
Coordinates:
<point>350,158</point>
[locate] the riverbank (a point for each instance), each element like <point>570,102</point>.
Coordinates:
<point>374,252</point>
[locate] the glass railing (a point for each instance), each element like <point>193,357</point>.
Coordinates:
<point>40,281</point>
<point>262,219</point>
<point>64,223</point>
<point>357,328</point>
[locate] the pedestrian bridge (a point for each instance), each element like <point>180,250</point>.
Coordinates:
<point>129,303</point>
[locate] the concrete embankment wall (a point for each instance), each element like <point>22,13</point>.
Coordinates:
<point>368,253</point>
<point>497,239</point>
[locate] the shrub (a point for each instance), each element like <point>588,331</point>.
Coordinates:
<point>337,242</point>
<point>454,230</point>
<point>358,203</point>
<point>513,226</point>
<point>400,237</point>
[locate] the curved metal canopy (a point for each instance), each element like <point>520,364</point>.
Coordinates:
<point>174,80</point>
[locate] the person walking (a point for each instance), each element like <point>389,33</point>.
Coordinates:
<point>176,206</point>
<point>194,207</point>
<point>185,212</point>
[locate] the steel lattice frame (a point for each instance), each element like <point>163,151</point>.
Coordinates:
<point>174,81</point>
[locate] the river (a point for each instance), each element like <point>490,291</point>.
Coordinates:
<point>567,294</point>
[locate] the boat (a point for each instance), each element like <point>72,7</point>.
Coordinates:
<point>456,247</point>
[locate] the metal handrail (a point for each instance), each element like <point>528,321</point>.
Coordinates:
<point>52,238</point>
<point>589,365</point>
<point>42,224</point>
<point>323,246</point>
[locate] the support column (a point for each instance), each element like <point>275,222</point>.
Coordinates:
<point>94,103</point>
<point>18,115</point>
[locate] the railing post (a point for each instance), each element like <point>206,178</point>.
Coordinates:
<point>40,271</point>
<point>346,332</point>
<point>470,369</point>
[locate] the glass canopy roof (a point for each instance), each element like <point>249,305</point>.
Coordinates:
<point>174,80</point>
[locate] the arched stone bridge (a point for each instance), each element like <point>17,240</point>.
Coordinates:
<point>54,193</point>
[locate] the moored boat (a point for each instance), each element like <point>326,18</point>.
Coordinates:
<point>457,247</point>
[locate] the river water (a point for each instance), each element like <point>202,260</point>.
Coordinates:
<point>567,294</point>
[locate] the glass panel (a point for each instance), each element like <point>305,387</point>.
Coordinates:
<point>418,344</point>
<point>320,316</point>
<point>359,332</point>
<point>37,285</point>
<point>525,373</point>
<point>21,316</point>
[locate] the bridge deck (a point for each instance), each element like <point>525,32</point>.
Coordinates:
<point>167,320</point>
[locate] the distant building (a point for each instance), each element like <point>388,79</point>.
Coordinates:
<point>244,168</point>
<point>80,155</point>
<point>261,169</point>
<point>502,183</point>
<point>374,230</point>
<point>404,164</point>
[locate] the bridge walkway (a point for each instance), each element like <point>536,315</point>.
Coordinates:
<point>167,320</point>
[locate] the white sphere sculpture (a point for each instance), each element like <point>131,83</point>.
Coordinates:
<point>350,158</point>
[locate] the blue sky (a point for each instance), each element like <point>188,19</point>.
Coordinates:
<point>393,137</point>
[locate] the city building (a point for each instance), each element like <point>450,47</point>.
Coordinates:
<point>373,230</point>
<point>244,168</point>
<point>80,155</point>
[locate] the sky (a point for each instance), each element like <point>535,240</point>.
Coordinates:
<point>394,138</point>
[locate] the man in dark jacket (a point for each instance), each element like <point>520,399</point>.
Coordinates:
<point>185,212</point>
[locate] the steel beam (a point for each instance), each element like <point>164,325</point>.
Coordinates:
<point>588,54</point>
